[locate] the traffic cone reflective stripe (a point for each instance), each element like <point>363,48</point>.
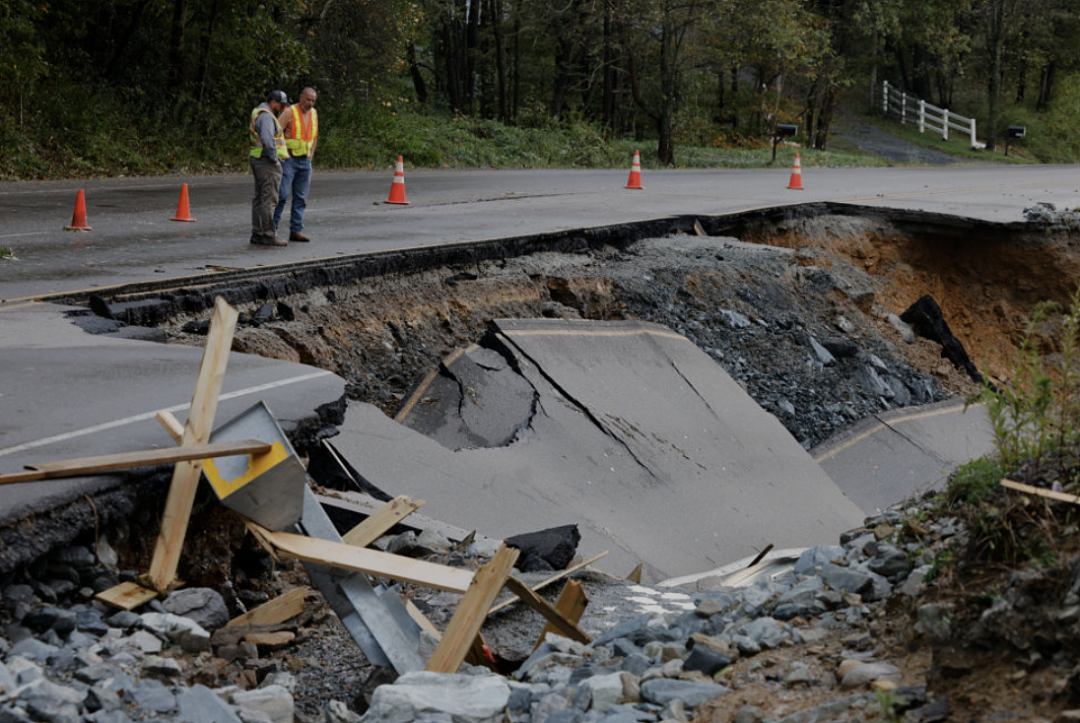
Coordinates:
<point>78,219</point>
<point>796,175</point>
<point>397,189</point>
<point>635,172</point>
<point>183,213</point>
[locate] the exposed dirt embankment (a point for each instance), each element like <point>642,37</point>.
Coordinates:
<point>986,279</point>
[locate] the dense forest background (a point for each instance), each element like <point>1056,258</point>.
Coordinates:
<point>141,86</point>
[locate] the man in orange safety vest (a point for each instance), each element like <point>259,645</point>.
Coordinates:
<point>300,125</point>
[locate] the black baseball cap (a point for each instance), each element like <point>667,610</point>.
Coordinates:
<point>279,96</point>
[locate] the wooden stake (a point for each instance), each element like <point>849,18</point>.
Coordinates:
<point>563,626</point>
<point>128,460</point>
<point>200,421</point>
<point>377,524</point>
<point>555,578</point>
<point>472,611</point>
<point>571,605</point>
<point>1040,492</point>
<point>282,608</point>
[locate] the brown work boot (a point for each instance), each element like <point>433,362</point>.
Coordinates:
<point>297,236</point>
<point>268,241</point>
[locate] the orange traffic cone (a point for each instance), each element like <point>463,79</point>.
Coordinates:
<point>635,172</point>
<point>397,189</point>
<point>796,175</point>
<point>183,213</point>
<point>78,219</point>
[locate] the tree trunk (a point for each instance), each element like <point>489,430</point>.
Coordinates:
<point>176,46</point>
<point>472,45</point>
<point>824,120</point>
<point>113,68</point>
<point>665,149</point>
<point>207,45</point>
<point>995,31</point>
<point>515,96</point>
<point>414,71</point>
<point>607,102</point>
<point>1046,84</point>
<point>496,18</point>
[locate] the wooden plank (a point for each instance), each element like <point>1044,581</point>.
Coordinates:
<point>555,578</point>
<point>127,460</point>
<point>126,595</point>
<point>562,626</point>
<point>361,559</point>
<point>471,612</point>
<point>172,425</point>
<point>200,422</point>
<point>377,524</point>
<point>282,608</point>
<point>571,605</point>
<point>1039,491</point>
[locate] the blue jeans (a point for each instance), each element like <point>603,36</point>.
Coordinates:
<point>295,183</point>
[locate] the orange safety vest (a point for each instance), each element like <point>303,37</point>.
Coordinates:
<point>256,140</point>
<point>302,135</point>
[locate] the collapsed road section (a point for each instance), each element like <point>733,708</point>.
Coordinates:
<point>799,305</point>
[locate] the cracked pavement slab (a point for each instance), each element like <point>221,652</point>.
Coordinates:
<point>637,436</point>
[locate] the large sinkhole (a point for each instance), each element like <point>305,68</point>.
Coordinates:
<point>800,305</point>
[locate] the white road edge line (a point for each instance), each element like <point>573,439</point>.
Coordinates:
<point>150,415</point>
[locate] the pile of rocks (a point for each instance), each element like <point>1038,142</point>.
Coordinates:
<point>66,658</point>
<point>70,661</point>
<point>660,666</point>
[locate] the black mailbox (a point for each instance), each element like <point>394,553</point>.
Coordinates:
<point>784,130</point>
<point>1017,131</point>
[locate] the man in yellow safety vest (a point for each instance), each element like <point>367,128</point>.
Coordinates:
<point>300,124</point>
<point>266,150</point>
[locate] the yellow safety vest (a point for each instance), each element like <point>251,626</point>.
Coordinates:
<point>256,139</point>
<point>302,136</point>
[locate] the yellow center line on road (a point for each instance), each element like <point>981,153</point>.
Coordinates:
<point>847,444</point>
<point>597,332</point>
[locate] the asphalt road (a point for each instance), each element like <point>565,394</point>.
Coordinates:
<point>133,239</point>
<point>65,394</point>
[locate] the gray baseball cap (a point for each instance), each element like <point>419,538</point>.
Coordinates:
<point>279,96</point>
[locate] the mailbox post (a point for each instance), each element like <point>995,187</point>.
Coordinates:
<point>783,130</point>
<point>1013,133</point>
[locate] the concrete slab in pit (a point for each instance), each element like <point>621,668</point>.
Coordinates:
<point>635,435</point>
<point>887,458</point>
<point>65,394</point>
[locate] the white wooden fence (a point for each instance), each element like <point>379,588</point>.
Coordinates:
<point>911,109</point>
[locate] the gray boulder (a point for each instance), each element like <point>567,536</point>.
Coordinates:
<point>201,604</point>
<point>465,698</point>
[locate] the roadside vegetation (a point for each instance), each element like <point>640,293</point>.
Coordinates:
<point>137,86</point>
<point>1035,417</point>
